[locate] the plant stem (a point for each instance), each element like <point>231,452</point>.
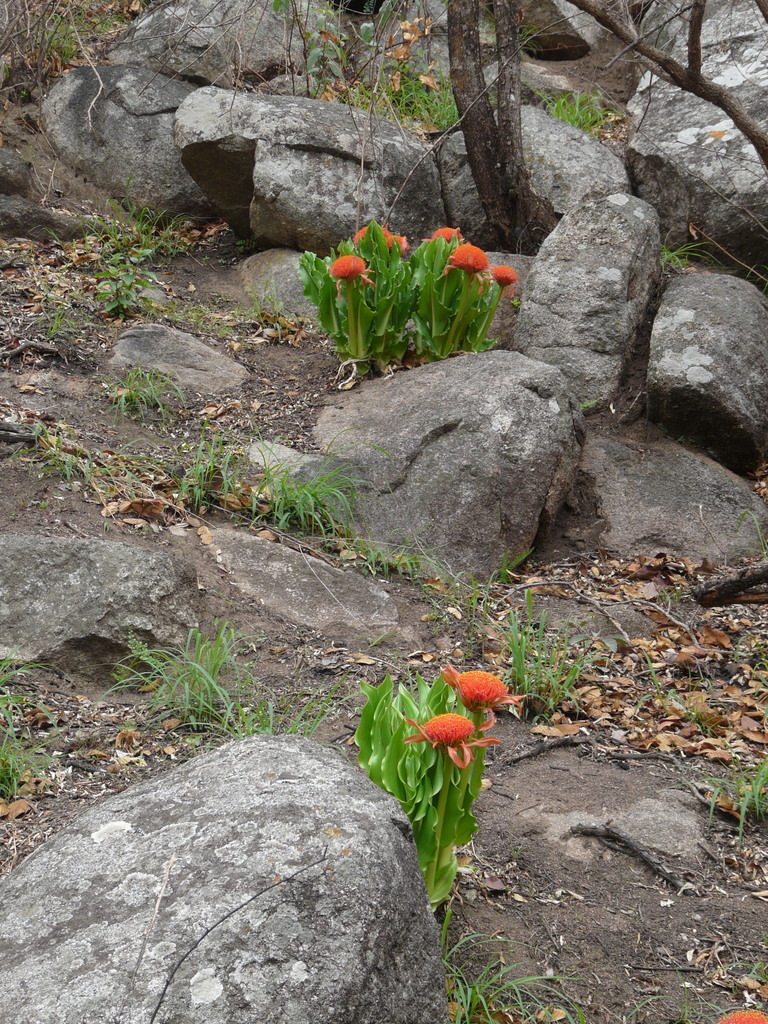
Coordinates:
<point>466,295</point>
<point>447,782</point>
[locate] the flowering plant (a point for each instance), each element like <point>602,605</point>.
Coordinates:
<point>367,293</point>
<point>363,292</point>
<point>435,772</point>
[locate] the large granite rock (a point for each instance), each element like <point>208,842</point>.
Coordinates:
<point>299,588</point>
<point>566,166</point>
<point>271,281</point>
<point>191,362</point>
<point>588,295</point>
<point>687,158</point>
<point>299,876</point>
<point>15,174</point>
<point>114,125</point>
<point>21,218</point>
<point>708,367</point>
<point>468,459</point>
<point>287,170</point>
<point>560,32</point>
<point>75,603</point>
<point>217,42</point>
<point>657,496</point>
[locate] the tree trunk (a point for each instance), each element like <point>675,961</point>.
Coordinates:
<point>477,121</point>
<point>517,215</point>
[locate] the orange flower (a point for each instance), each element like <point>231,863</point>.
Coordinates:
<point>451,733</point>
<point>504,275</point>
<point>479,690</point>
<point>349,268</point>
<point>469,259</point>
<point>447,233</point>
<point>401,240</point>
<point>744,1017</point>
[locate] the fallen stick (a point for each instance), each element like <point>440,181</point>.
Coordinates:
<point>607,832</point>
<point>735,589</point>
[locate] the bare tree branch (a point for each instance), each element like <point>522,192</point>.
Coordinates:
<point>694,38</point>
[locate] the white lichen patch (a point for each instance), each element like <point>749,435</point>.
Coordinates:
<point>678,319</point>
<point>691,363</point>
<point>618,199</point>
<point>608,274</point>
<point>501,422</point>
<point>205,987</point>
<point>298,972</point>
<point>114,830</point>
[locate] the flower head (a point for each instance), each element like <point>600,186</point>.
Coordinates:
<point>744,1017</point>
<point>504,276</point>
<point>452,733</point>
<point>449,234</point>
<point>479,690</point>
<point>349,268</point>
<point>389,238</point>
<point>468,258</point>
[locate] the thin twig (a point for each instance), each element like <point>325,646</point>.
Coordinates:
<point>607,832</point>
<point>147,933</point>
<point>544,747</point>
<point>221,920</point>
<point>14,353</point>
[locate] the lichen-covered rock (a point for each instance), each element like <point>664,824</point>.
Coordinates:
<point>687,158</point>
<point>191,362</point>
<point>303,874</point>
<point>216,42</point>
<point>565,166</point>
<point>708,367</point>
<point>468,459</point>
<point>75,603</point>
<point>114,125</point>
<point>299,173</point>
<point>657,496</point>
<point>589,291</point>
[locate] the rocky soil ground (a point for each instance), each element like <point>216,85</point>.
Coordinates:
<point>610,866</point>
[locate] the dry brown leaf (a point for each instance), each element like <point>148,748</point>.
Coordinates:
<point>204,534</point>
<point>14,809</point>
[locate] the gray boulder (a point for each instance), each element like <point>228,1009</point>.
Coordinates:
<point>216,42</point>
<point>21,218</point>
<point>271,281</point>
<point>75,603</point>
<point>656,496</point>
<point>299,588</point>
<point>114,126</point>
<point>588,294</point>
<point>561,32</point>
<point>15,174</point>
<point>708,367</point>
<point>299,876</point>
<point>566,166</point>
<point>287,170</point>
<point>687,158</point>
<point>467,459</point>
<point>191,362</point>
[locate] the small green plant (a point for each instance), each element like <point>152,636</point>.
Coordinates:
<point>436,783</point>
<point>762,540</point>
<point>122,281</point>
<point>543,666</point>
<point>382,559</point>
<point>484,994</point>
<point>585,111</point>
<point>680,258</point>
<point>14,764</point>
<point>744,794</point>
<point>205,684</point>
<point>130,228</point>
<point>214,475</point>
<point>408,96</point>
<point>140,391</point>
<point>321,504</point>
